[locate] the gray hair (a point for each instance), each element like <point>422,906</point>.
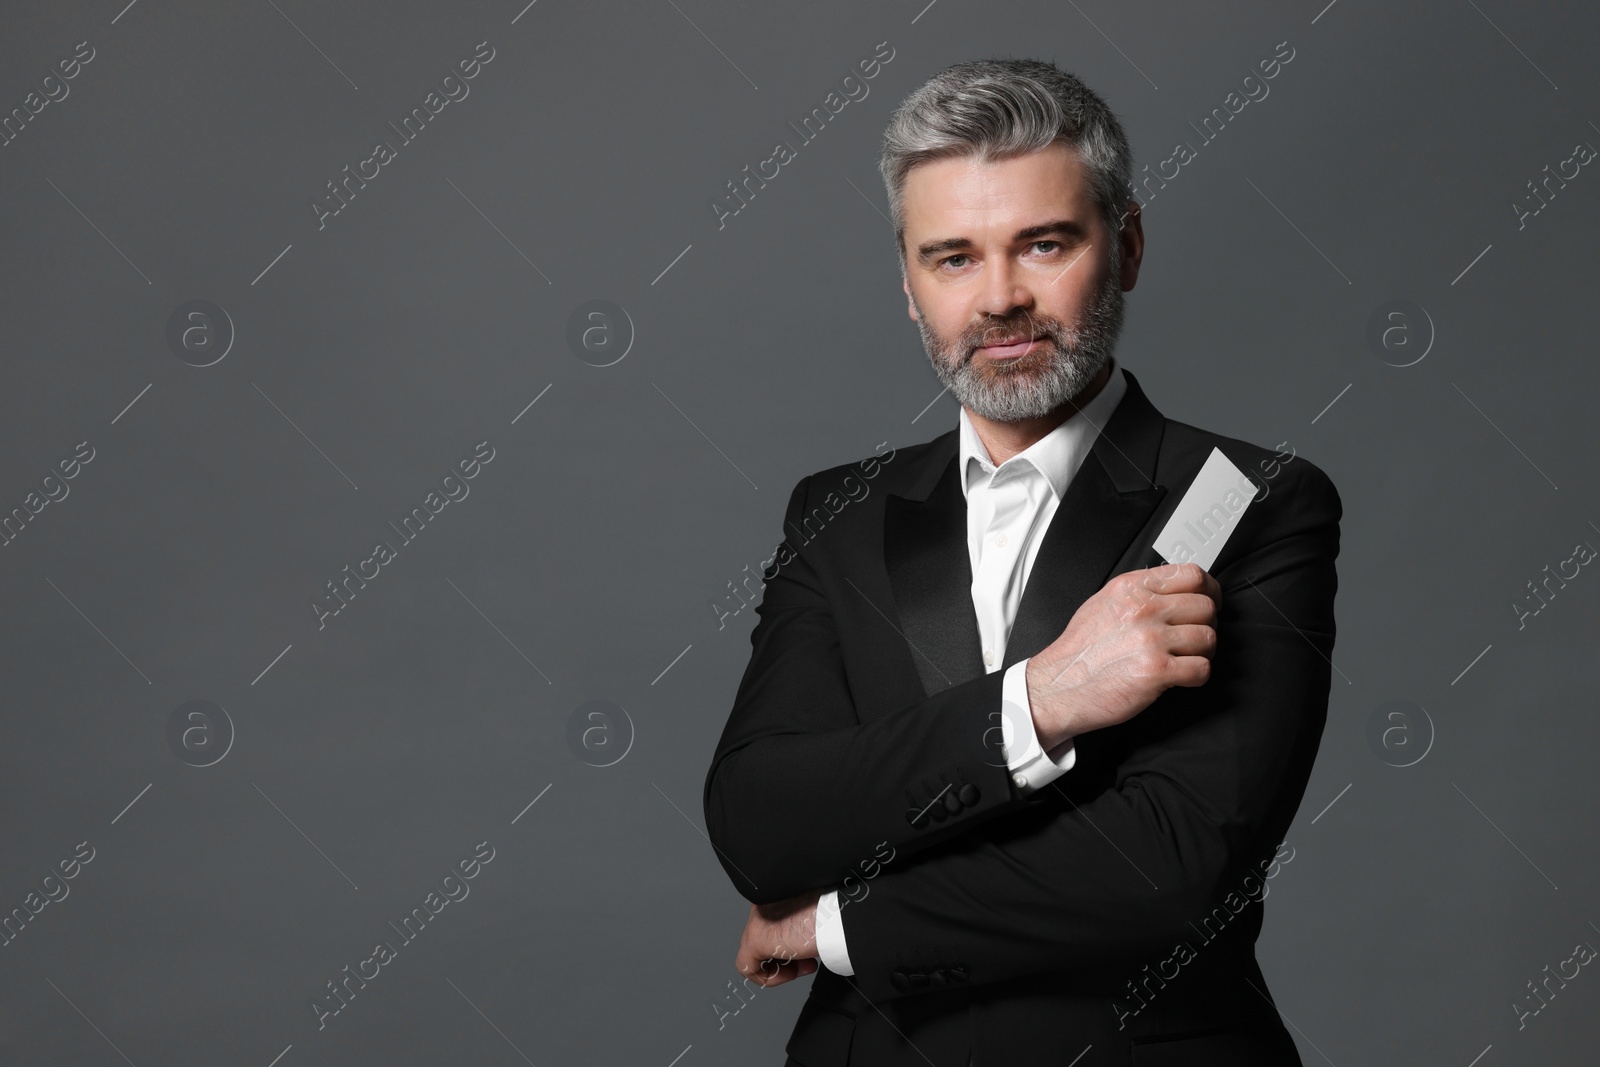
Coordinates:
<point>998,109</point>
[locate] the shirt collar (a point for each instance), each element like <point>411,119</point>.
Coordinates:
<point>1058,454</point>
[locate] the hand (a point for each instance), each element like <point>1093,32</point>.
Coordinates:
<point>779,943</point>
<point>1145,631</point>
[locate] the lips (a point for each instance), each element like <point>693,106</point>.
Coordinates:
<point>1009,349</point>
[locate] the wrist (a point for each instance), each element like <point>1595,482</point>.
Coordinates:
<point>803,932</point>
<point>1052,721</point>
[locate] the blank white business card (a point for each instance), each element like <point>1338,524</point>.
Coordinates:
<point>1208,513</point>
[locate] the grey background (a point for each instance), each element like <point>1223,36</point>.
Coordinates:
<point>427,316</point>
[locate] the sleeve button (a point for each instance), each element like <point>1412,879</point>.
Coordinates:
<point>969,794</point>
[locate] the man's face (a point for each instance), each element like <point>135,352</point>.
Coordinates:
<point>1015,251</point>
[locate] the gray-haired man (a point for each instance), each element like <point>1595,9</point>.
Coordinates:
<point>1008,789</point>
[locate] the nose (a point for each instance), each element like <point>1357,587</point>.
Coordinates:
<point>1002,290</point>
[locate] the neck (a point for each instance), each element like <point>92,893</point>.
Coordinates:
<point>1002,440</point>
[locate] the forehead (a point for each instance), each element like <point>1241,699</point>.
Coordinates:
<point>963,192</point>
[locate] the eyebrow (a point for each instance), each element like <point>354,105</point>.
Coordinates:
<point>1055,227</point>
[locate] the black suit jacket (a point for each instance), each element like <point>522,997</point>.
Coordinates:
<point>1116,909</point>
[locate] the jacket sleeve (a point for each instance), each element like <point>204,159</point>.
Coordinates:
<point>800,792</point>
<point>1163,815</point>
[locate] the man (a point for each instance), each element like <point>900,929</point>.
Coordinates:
<point>1007,782</point>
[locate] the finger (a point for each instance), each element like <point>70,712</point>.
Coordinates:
<point>761,972</point>
<point>769,978</point>
<point>1174,578</point>
<point>1191,639</point>
<point>795,969</point>
<point>1190,671</point>
<point>752,962</point>
<point>776,973</point>
<point>1188,608</point>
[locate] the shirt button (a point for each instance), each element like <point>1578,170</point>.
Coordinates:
<point>1020,779</point>
<point>1000,541</point>
<point>988,658</point>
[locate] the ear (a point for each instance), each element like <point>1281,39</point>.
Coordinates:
<point>1132,238</point>
<point>911,307</point>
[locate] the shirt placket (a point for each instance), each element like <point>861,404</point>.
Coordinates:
<point>1000,550</point>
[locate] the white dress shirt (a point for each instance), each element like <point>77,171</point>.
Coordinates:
<point>1008,510</point>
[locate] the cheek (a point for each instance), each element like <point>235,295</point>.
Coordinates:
<point>950,328</point>
<point>945,313</point>
<point>1073,294</point>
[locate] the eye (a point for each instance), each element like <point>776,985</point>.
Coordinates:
<point>948,260</point>
<point>1055,244</point>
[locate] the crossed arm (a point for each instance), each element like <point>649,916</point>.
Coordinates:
<point>1109,864</point>
<point>799,790</point>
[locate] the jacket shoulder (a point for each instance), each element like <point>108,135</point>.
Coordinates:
<point>889,468</point>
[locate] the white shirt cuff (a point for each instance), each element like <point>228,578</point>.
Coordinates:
<point>1031,767</point>
<point>831,948</point>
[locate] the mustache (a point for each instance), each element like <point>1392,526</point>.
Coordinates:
<point>1029,325</point>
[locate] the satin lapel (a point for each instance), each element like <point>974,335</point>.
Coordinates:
<point>1108,504</point>
<point>930,570</point>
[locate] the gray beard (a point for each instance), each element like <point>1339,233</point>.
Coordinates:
<point>1036,384</point>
